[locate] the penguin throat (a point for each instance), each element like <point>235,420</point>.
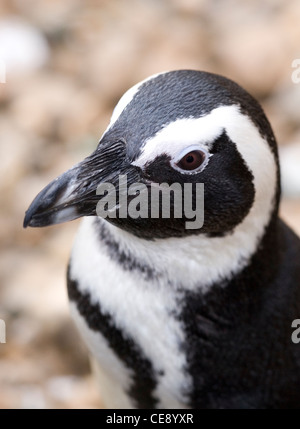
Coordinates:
<point>191,263</point>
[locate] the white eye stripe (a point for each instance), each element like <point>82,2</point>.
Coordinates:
<point>253,148</point>
<point>179,135</point>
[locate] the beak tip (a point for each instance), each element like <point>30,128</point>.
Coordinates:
<point>40,212</point>
<point>29,219</point>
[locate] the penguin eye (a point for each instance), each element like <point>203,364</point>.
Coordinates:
<point>192,160</point>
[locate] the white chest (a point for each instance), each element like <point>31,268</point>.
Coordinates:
<point>143,310</point>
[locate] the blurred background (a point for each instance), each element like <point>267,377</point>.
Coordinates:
<point>63,67</point>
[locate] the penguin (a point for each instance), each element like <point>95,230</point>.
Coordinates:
<point>178,317</point>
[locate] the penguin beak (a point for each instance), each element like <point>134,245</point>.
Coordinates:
<point>73,194</point>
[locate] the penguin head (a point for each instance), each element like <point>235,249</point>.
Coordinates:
<point>182,127</point>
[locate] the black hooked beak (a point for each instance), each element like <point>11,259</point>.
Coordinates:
<point>73,194</point>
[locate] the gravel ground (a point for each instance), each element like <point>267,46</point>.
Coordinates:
<point>65,67</point>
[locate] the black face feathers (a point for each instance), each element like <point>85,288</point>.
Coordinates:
<point>228,195</point>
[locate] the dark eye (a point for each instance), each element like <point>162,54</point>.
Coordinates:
<point>192,160</point>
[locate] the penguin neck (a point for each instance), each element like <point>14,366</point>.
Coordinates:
<point>193,262</point>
